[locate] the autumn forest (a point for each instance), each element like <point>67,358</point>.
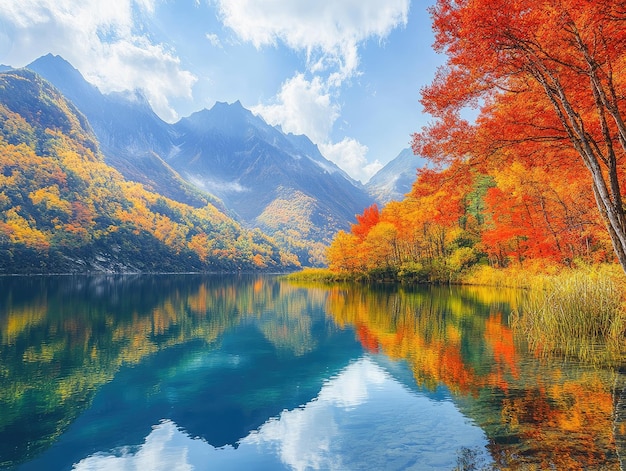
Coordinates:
<point>526,168</point>
<point>537,178</point>
<point>65,210</point>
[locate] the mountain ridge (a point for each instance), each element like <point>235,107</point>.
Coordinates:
<point>260,173</point>
<point>395,179</point>
<point>227,156</point>
<point>64,209</point>
<point>133,138</point>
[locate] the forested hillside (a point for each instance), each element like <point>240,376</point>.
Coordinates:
<point>132,138</point>
<point>64,210</point>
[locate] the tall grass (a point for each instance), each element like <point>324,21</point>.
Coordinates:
<point>319,275</point>
<point>531,276</point>
<point>578,313</point>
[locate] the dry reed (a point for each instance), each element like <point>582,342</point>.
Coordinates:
<point>578,313</point>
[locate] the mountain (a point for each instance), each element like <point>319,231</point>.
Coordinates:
<point>280,183</point>
<point>132,137</point>
<point>396,178</point>
<point>63,209</point>
<point>265,178</point>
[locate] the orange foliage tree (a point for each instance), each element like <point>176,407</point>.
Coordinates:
<point>417,235</point>
<point>547,76</point>
<point>366,221</point>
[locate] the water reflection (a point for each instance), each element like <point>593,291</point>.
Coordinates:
<point>321,433</point>
<point>195,372</point>
<point>538,413</point>
<point>64,339</point>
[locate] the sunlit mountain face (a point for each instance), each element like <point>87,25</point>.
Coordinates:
<point>132,137</point>
<point>276,181</point>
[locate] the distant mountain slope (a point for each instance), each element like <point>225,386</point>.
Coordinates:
<point>63,209</point>
<point>280,183</point>
<point>396,178</point>
<point>132,137</point>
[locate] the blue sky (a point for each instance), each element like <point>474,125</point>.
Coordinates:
<point>347,73</point>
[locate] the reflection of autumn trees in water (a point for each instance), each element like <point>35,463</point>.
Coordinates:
<point>429,328</point>
<point>561,423</point>
<point>61,339</point>
<point>537,413</point>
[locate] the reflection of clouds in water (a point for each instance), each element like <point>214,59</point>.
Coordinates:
<point>351,387</point>
<point>305,436</point>
<point>155,454</point>
<point>395,429</point>
<point>301,441</point>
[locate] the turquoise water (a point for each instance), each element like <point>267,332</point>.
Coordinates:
<point>240,372</point>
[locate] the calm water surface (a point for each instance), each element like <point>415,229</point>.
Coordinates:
<point>227,373</point>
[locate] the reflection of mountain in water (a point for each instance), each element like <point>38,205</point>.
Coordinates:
<point>89,365</point>
<point>361,418</point>
<point>218,394</point>
<point>196,347</point>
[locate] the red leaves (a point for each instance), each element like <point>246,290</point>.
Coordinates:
<point>366,221</point>
<point>548,76</point>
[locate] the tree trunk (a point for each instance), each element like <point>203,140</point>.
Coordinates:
<point>607,194</point>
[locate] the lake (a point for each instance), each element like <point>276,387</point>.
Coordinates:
<point>182,372</point>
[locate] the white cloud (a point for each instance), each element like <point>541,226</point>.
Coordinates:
<point>103,39</point>
<point>214,39</point>
<point>126,65</point>
<point>350,155</point>
<point>307,107</point>
<point>302,107</point>
<point>328,30</point>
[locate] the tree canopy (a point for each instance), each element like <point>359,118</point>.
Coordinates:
<point>548,78</point>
